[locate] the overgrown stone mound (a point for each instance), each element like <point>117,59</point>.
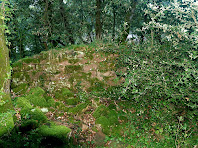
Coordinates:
<point>55,92</point>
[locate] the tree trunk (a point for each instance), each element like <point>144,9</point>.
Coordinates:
<point>114,19</point>
<point>6,121</point>
<point>98,20</point>
<point>65,21</point>
<point>128,19</point>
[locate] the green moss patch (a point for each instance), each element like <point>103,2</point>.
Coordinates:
<point>6,123</point>
<point>105,123</point>
<point>63,94</point>
<point>72,101</point>
<point>78,108</point>
<point>5,103</point>
<point>102,110</point>
<point>37,114</point>
<point>36,97</point>
<point>23,102</point>
<point>57,131</point>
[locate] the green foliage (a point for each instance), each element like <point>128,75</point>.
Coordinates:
<point>163,72</point>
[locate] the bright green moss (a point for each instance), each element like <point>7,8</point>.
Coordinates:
<point>101,111</point>
<point>54,131</point>
<point>6,123</point>
<point>23,102</point>
<point>116,130</point>
<point>37,91</point>
<point>36,97</point>
<point>113,117</point>
<point>37,114</point>
<point>5,103</point>
<point>72,101</point>
<point>37,100</point>
<point>21,89</point>
<point>63,94</point>
<point>50,102</point>
<point>105,123</point>
<point>78,108</point>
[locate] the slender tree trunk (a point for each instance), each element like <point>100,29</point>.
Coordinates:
<point>98,20</point>
<point>6,122</point>
<point>128,18</point>
<point>114,19</point>
<point>65,21</point>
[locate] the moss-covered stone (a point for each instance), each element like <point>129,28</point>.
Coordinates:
<point>37,114</point>
<point>5,103</point>
<point>72,101</point>
<point>6,123</point>
<point>113,117</point>
<point>63,94</point>
<point>105,123</point>
<point>28,125</point>
<point>50,102</point>
<point>21,89</point>
<point>57,131</point>
<point>23,102</point>
<point>102,110</point>
<point>78,108</point>
<point>36,97</point>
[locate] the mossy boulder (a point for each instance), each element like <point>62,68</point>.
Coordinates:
<point>105,124</point>
<point>63,94</point>
<point>36,97</point>
<point>113,117</point>
<point>6,123</point>
<point>37,114</point>
<point>102,110</point>
<point>28,125</point>
<point>78,108</point>
<point>52,130</point>
<point>5,103</point>
<point>23,102</point>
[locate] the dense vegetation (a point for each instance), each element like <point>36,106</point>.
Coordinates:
<point>120,73</point>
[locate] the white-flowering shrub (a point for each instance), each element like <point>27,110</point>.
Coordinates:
<point>178,21</point>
